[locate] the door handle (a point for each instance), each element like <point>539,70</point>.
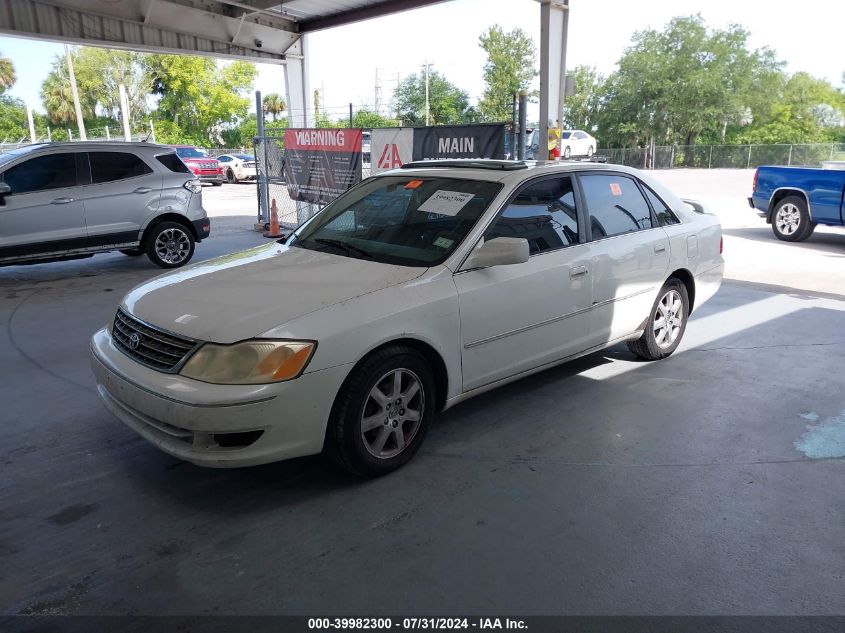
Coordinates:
<point>577,271</point>
<point>659,249</point>
<point>62,200</point>
<point>142,190</point>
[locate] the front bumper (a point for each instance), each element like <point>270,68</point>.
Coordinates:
<point>194,421</point>
<point>210,177</point>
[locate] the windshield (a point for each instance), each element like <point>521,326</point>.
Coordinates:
<point>405,220</point>
<point>190,152</point>
<point>566,135</point>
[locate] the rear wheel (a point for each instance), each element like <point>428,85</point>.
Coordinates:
<point>382,413</point>
<point>230,176</point>
<point>170,245</point>
<point>666,324</point>
<point>791,220</point>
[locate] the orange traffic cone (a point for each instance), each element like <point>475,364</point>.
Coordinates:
<point>274,229</point>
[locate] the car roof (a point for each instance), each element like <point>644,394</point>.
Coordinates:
<point>87,145</point>
<point>501,170</point>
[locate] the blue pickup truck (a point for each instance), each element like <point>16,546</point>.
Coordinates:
<point>795,199</point>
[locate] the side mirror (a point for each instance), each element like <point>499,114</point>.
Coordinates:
<point>5,190</point>
<point>500,251</point>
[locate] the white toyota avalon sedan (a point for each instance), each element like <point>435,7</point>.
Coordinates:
<point>417,289</point>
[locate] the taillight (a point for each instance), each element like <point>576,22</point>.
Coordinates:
<point>721,245</point>
<point>194,186</point>
<point>754,184</point>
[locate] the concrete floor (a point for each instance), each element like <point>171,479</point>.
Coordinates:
<point>709,483</point>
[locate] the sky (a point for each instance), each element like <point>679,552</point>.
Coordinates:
<point>344,61</point>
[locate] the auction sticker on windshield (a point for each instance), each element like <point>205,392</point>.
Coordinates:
<point>446,202</point>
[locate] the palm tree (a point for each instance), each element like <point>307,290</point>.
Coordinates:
<point>7,74</point>
<point>273,104</point>
<point>57,97</point>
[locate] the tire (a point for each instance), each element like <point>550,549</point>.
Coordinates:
<point>567,152</point>
<point>217,184</point>
<point>791,220</point>
<point>133,252</point>
<point>659,342</point>
<point>169,244</point>
<point>379,450</point>
<point>230,176</point>
<point>590,151</point>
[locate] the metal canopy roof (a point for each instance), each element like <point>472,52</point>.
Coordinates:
<point>261,30</point>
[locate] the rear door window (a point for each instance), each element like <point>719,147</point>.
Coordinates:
<point>665,216</point>
<point>173,163</point>
<point>111,166</point>
<point>615,204</point>
<point>53,171</point>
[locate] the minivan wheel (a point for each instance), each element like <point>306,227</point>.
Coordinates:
<point>382,412</point>
<point>666,324</point>
<point>170,245</point>
<point>791,220</point>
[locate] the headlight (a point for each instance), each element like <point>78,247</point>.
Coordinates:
<point>249,363</point>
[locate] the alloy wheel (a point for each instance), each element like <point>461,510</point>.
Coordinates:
<point>392,413</point>
<point>669,319</point>
<point>172,246</point>
<point>788,219</point>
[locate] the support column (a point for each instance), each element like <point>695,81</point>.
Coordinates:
<point>554,24</point>
<point>298,85</point>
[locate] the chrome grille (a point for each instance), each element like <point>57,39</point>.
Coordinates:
<point>208,165</point>
<point>154,348</point>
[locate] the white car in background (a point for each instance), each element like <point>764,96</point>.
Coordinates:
<point>413,291</point>
<point>577,143</point>
<point>238,167</point>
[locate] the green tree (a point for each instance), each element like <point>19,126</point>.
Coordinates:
<point>8,77</point>
<point>101,71</point>
<point>448,103</point>
<point>197,97</point>
<point>368,119</point>
<point>13,120</point>
<point>57,97</point>
<point>581,108</point>
<point>510,67</point>
<point>682,83</point>
<point>273,104</point>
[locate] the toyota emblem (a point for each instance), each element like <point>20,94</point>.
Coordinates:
<point>134,340</point>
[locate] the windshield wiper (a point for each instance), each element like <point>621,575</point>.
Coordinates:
<point>349,248</point>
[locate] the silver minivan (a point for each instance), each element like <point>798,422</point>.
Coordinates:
<point>71,200</point>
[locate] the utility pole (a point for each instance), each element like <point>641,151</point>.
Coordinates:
<point>79,122</point>
<point>32,125</point>
<point>350,115</point>
<point>426,66</point>
<point>377,102</point>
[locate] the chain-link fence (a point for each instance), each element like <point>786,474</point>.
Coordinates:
<point>724,156</point>
<point>270,164</point>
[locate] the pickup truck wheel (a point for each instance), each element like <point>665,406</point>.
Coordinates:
<point>666,324</point>
<point>791,220</point>
<point>169,245</point>
<point>382,412</point>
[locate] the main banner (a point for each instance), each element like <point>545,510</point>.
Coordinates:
<point>460,141</point>
<point>320,164</point>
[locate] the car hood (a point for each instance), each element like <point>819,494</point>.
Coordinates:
<point>245,294</point>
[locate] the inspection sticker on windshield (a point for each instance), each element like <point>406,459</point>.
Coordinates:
<point>446,202</point>
<point>615,189</point>
<point>443,242</point>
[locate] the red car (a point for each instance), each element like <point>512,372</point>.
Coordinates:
<point>204,167</point>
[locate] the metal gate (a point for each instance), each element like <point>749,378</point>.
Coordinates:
<point>270,166</point>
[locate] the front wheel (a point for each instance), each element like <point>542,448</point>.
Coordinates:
<point>216,184</point>
<point>382,412</point>
<point>170,245</point>
<point>791,220</point>
<point>230,176</point>
<point>666,324</point>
